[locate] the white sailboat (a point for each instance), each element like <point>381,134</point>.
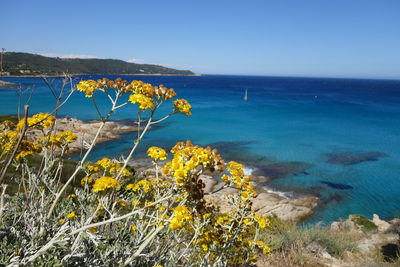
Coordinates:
<point>245,95</point>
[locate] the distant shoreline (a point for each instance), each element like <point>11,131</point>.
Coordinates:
<point>80,74</point>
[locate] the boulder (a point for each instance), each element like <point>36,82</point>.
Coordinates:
<point>209,182</point>
<point>383,226</point>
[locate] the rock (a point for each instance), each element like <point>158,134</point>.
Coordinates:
<point>351,158</point>
<point>288,209</point>
<point>209,182</point>
<point>376,241</point>
<point>86,132</point>
<point>268,204</point>
<point>3,83</point>
<point>335,226</point>
<point>394,226</point>
<point>383,226</point>
<point>220,199</point>
<point>259,179</point>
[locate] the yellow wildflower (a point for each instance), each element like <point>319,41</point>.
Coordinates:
<point>104,183</point>
<point>44,120</point>
<point>86,180</point>
<point>71,196</point>
<point>89,87</point>
<point>71,216</point>
<point>157,153</point>
<point>144,102</point>
<point>182,106</point>
<point>261,220</point>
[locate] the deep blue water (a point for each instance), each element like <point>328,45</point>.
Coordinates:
<point>338,139</point>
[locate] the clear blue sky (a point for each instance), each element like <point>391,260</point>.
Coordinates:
<point>333,38</point>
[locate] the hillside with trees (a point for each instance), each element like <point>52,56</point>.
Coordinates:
<point>32,64</point>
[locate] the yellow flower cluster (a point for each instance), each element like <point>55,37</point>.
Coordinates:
<point>160,92</point>
<point>7,125</point>
<point>240,180</point>
<point>142,88</point>
<point>103,183</point>
<point>164,93</point>
<point>206,239</point>
<point>61,139</point>
<point>89,87</point>
<point>87,180</point>
<point>71,216</point>
<point>27,148</point>
<point>182,106</point>
<point>8,140</point>
<point>261,245</point>
<point>181,214</point>
<point>261,220</point>
<point>44,120</point>
<point>142,184</point>
<point>144,102</point>
<point>145,95</point>
<point>187,158</point>
<point>157,153</point>
<point>107,165</point>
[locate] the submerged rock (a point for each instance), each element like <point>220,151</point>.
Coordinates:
<point>351,158</point>
<point>282,169</point>
<point>337,185</point>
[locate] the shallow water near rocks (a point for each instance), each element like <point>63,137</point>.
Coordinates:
<point>298,131</point>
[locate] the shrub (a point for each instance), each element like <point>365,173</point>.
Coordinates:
<point>364,224</point>
<point>104,214</point>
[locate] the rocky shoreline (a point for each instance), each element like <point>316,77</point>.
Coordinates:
<point>266,203</point>
<point>86,131</point>
<point>3,83</point>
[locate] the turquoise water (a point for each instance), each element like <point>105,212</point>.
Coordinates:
<point>337,139</point>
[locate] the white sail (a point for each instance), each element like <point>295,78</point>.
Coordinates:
<point>245,95</point>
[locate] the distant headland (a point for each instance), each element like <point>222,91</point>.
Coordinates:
<point>31,65</point>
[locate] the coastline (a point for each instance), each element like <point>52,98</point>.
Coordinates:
<point>80,74</point>
<point>4,83</point>
<point>289,206</point>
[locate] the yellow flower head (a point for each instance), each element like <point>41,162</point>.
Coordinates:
<point>157,153</point>
<point>71,216</point>
<point>104,183</point>
<point>28,148</point>
<point>261,220</point>
<point>89,87</point>
<point>181,214</point>
<point>144,102</point>
<point>62,138</point>
<point>44,120</point>
<point>86,180</point>
<point>182,106</point>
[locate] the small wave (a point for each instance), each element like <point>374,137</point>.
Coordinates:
<point>248,170</point>
<point>279,193</point>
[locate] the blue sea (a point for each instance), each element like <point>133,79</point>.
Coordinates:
<point>338,139</point>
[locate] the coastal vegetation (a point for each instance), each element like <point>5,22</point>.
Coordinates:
<point>163,219</point>
<point>27,64</point>
<point>56,212</point>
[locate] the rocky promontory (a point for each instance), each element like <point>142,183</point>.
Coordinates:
<point>3,83</point>
<point>86,131</point>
